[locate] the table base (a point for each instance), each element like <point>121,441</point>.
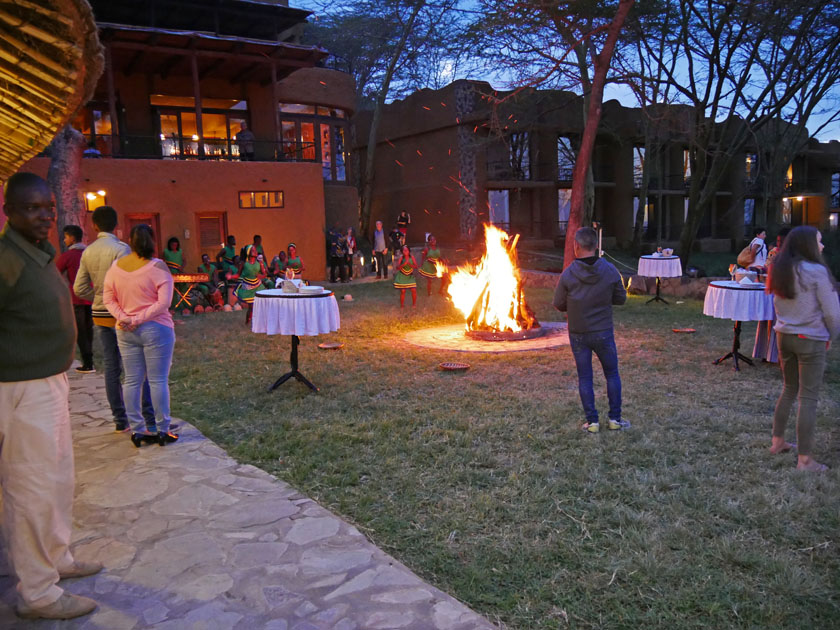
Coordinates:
<point>184,297</point>
<point>734,354</point>
<point>293,361</point>
<point>657,297</point>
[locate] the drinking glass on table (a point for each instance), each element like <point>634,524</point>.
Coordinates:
<point>732,269</point>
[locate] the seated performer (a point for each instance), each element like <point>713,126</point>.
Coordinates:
<point>294,261</point>
<point>278,265</point>
<point>210,290</point>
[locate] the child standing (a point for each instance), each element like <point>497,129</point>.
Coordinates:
<point>404,276</point>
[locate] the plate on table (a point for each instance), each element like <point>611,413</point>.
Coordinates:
<point>454,367</point>
<point>331,345</point>
<point>683,330</point>
<point>312,289</point>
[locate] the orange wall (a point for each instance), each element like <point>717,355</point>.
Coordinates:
<point>178,190</point>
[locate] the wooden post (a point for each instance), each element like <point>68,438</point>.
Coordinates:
<point>112,99</point>
<point>275,91</point>
<point>199,128</point>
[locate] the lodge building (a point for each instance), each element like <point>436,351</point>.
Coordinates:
<point>182,77</point>
<point>456,157</point>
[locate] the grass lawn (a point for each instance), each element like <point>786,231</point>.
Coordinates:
<point>483,483</point>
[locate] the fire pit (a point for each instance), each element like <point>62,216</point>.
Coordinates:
<point>506,335</point>
<point>489,294</point>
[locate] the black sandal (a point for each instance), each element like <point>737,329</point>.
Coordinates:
<point>167,438</point>
<point>139,438</point>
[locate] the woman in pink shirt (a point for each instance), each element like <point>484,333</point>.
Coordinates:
<point>138,291</point>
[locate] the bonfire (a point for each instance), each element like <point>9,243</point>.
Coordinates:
<point>489,293</point>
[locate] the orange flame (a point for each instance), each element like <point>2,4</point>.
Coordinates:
<point>489,294</point>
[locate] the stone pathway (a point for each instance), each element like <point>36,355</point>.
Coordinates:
<point>190,539</point>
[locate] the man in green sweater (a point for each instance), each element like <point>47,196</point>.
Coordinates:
<point>37,335</point>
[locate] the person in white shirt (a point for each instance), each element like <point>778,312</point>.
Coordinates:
<point>759,247</point>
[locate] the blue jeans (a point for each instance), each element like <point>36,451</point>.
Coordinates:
<point>147,353</point>
<point>602,343</point>
<point>113,387</point>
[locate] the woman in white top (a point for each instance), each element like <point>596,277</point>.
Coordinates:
<point>758,246</point>
<point>807,319</point>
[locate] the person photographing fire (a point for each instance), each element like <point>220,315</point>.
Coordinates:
<point>586,292</point>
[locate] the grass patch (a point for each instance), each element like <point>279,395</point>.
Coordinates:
<point>483,483</point>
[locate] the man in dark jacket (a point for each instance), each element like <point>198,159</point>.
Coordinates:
<point>587,290</point>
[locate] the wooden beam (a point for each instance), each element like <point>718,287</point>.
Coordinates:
<point>244,76</point>
<point>112,98</point>
<point>218,63</point>
<point>183,52</point>
<point>168,64</point>
<point>139,56</point>
<point>199,128</point>
<point>275,94</point>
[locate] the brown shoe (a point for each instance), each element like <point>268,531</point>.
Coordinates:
<point>67,606</point>
<point>79,569</point>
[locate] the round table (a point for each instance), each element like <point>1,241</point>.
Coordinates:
<point>278,313</point>
<point>659,267</point>
<point>726,299</point>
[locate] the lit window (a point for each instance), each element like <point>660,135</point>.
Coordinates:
<point>261,199</point>
<point>95,199</point>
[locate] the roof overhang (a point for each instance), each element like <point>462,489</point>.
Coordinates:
<point>164,52</point>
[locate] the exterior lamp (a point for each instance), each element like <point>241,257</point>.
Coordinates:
<point>94,200</point>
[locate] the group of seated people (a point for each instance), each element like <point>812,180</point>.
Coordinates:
<point>246,272</point>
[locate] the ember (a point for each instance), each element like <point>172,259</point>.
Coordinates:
<point>489,294</point>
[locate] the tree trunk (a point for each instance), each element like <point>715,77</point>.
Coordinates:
<point>584,157</point>
<point>64,179</point>
<point>370,161</point>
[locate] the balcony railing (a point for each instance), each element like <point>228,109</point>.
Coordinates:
<point>504,170</point>
<point>803,185</point>
<point>187,148</point>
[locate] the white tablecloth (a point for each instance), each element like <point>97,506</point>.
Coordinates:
<point>729,300</point>
<point>294,314</point>
<point>660,266</point>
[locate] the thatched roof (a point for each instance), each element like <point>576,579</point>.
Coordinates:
<point>50,61</point>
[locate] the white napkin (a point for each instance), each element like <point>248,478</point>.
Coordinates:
<point>745,280</point>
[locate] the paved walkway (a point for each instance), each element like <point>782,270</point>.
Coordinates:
<point>191,539</point>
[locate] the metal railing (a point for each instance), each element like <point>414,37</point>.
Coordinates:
<point>803,185</point>
<point>187,148</point>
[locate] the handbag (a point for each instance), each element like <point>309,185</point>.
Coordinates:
<point>746,257</point>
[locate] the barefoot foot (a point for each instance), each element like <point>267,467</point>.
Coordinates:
<point>778,445</point>
<point>811,466</point>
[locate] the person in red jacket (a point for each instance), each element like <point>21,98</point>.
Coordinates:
<point>68,265</point>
